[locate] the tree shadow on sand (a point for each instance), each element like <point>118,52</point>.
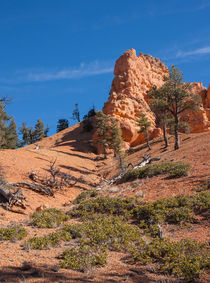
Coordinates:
<point>77,139</point>
<point>46,273</point>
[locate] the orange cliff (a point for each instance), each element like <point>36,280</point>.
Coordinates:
<point>134,76</point>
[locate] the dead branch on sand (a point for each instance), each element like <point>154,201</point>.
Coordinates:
<point>11,198</point>
<point>46,186</point>
<point>146,160</point>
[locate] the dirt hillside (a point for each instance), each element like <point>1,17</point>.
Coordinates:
<point>72,152</point>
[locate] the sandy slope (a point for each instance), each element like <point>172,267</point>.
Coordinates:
<point>72,151</point>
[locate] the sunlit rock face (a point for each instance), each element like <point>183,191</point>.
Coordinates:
<point>134,76</point>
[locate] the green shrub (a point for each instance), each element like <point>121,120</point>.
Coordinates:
<point>105,205</point>
<point>111,232</point>
<point>204,186</point>
<point>85,195</point>
<point>49,218</point>
<point>201,201</point>
<point>173,169</point>
<point>13,233</point>
<point>179,210</point>
<point>185,259</point>
<point>75,230</point>
<point>180,215</point>
<point>47,241</point>
<point>83,258</point>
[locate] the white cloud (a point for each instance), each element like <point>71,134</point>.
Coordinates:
<point>199,51</point>
<point>84,70</point>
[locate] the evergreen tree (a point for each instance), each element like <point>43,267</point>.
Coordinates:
<point>76,113</point>
<point>4,119</point>
<point>160,107</point>
<point>178,98</point>
<point>91,113</point>
<point>116,137</point>
<point>27,134</point>
<point>40,132</point>
<point>109,134</point>
<point>116,140</point>
<point>144,125</point>
<point>8,135</point>
<point>30,136</point>
<point>62,124</point>
<point>102,128</point>
<point>11,136</point>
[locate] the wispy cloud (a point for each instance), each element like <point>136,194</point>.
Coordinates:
<point>198,51</point>
<point>84,70</point>
<point>204,5</point>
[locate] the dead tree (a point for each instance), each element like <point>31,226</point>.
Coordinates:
<point>12,198</point>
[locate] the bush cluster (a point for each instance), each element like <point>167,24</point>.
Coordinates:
<point>13,233</point>
<point>185,259</point>
<point>177,210</point>
<point>49,218</point>
<point>83,258</point>
<point>172,169</point>
<point>47,241</point>
<point>105,205</point>
<point>204,186</point>
<point>109,223</point>
<point>85,195</point>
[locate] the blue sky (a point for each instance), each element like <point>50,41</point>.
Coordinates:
<point>55,53</point>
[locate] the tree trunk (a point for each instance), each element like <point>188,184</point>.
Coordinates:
<point>105,153</point>
<point>176,133</point>
<point>147,139</point>
<point>121,161</point>
<point>5,193</point>
<point>165,135</point>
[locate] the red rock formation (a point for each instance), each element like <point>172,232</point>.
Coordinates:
<point>198,120</point>
<point>134,76</point>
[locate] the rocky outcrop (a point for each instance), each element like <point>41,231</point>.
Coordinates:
<point>198,120</point>
<point>134,76</point>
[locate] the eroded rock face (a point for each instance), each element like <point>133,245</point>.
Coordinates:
<point>134,76</point>
<point>198,120</point>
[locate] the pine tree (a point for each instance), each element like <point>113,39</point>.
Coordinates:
<point>30,136</point>
<point>27,134</point>
<point>8,135</point>
<point>116,137</point>
<point>11,136</point>
<point>178,98</point>
<point>144,125</point>
<point>160,107</point>
<point>116,140</point>
<point>76,113</point>
<point>39,131</point>
<point>102,128</point>
<point>4,119</point>
<point>62,124</point>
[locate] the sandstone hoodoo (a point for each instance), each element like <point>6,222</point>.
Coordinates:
<point>134,76</point>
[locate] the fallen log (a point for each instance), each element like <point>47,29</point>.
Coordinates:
<point>7,195</point>
<point>11,198</point>
<point>35,187</point>
<point>146,160</point>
